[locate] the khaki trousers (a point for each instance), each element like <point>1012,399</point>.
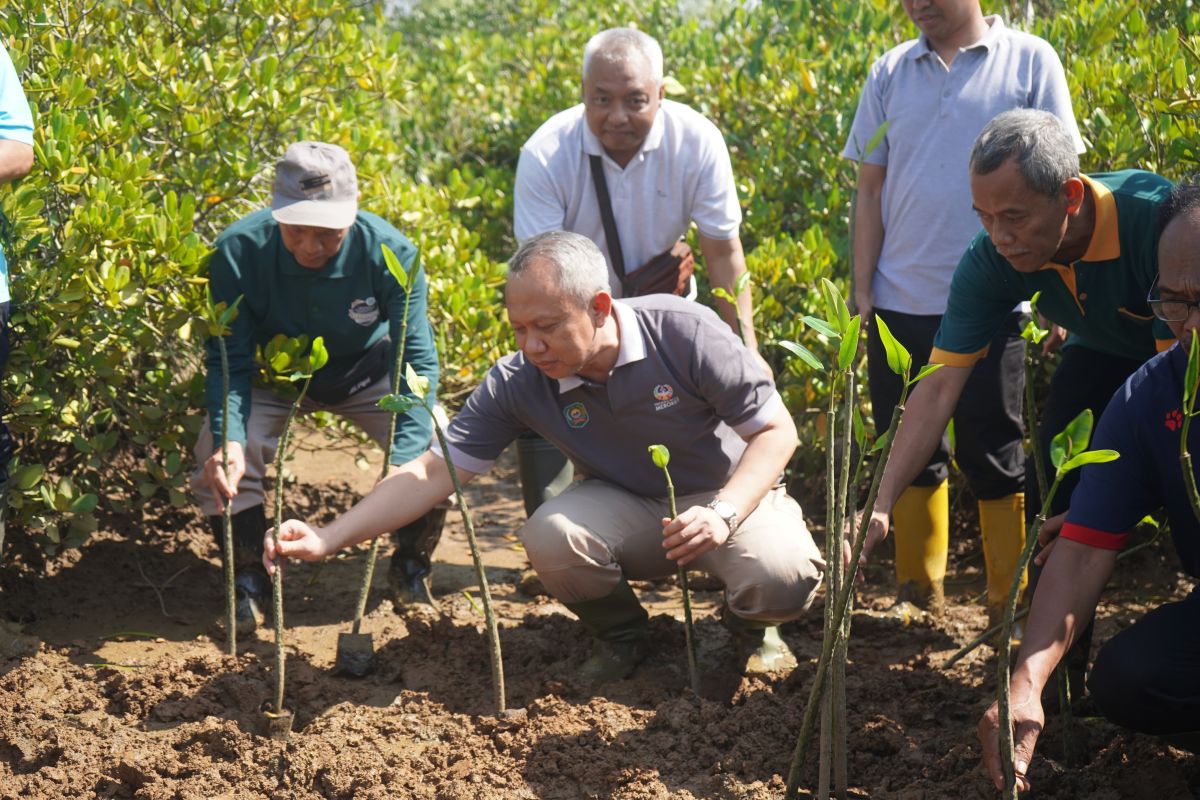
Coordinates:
<point>268,412</point>
<point>584,541</point>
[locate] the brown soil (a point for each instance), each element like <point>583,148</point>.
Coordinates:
<point>130,696</point>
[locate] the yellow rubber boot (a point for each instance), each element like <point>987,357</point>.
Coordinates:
<point>1002,526</point>
<point>921,522</point>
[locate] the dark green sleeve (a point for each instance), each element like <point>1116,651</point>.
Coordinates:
<point>983,291</point>
<point>225,281</point>
<point>413,430</point>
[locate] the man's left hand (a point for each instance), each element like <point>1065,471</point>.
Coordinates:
<point>693,533</point>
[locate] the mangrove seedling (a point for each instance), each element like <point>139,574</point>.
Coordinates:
<point>356,650</point>
<point>1068,452</point>
<point>731,297</point>
<point>900,362</point>
<point>218,317</point>
<point>662,456</point>
<point>1191,375</point>
<point>285,364</point>
<point>402,404</point>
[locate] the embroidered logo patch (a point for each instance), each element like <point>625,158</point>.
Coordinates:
<point>576,414</point>
<point>1174,420</point>
<point>664,397</point>
<point>364,312</point>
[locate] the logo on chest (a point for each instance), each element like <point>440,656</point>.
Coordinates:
<point>364,312</point>
<point>576,414</point>
<point>664,397</point>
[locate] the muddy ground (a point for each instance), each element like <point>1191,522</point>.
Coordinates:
<point>130,695</point>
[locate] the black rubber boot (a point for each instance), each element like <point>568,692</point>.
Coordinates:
<point>545,472</point>
<point>412,560</point>
<point>618,625</point>
<point>252,585</point>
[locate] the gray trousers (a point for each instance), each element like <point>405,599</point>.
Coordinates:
<point>268,412</point>
<point>584,541</point>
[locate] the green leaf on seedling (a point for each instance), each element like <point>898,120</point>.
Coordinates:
<point>1033,332</point>
<point>721,294</point>
<point>1073,439</point>
<point>660,454</point>
<point>418,384</point>
<point>394,266</point>
<point>881,441</point>
<point>849,348</point>
<point>876,138</point>
<point>860,428</point>
<point>898,358</point>
<point>1089,457</point>
<point>318,356</point>
<point>835,306</point>
<point>741,283</point>
<point>925,370</point>
<point>803,353</point>
<point>821,326</point>
<point>1149,520</point>
<point>398,403</point>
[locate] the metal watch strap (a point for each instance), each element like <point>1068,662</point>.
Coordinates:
<point>730,518</point>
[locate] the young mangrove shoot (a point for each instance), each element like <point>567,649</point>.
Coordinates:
<point>1191,375</point>
<point>218,318</point>
<point>285,363</point>
<point>402,404</point>
<point>1068,452</point>
<point>354,654</point>
<point>662,456</point>
<point>900,362</point>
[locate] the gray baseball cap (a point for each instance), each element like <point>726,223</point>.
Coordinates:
<point>315,185</point>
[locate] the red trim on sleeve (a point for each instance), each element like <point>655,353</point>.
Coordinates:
<point>1105,540</point>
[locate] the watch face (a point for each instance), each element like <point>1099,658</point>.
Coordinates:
<point>724,508</point>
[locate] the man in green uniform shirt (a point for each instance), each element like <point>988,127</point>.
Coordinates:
<point>1087,243</point>
<point>312,264</point>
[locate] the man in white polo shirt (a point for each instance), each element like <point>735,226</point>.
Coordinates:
<point>914,219</point>
<point>602,380</point>
<point>664,166</point>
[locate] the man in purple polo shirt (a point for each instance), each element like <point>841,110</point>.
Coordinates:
<point>602,380</point>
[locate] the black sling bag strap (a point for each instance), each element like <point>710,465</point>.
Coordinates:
<point>606,216</point>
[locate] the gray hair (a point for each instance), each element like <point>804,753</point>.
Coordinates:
<point>1038,141</point>
<point>618,44</point>
<point>579,265</point>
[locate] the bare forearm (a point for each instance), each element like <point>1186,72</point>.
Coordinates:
<point>726,262</point>
<point>402,497</point>
<point>922,424</point>
<point>16,159</point>
<point>1065,601</point>
<point>868,232</point>
<point>764,460</point>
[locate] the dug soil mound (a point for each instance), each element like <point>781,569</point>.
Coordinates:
<point>130,695</point>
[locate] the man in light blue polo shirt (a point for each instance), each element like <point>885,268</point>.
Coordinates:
<point>16,159</point>
<point>913,221</point>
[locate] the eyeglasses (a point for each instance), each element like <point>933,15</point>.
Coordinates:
<point>1170,310</point>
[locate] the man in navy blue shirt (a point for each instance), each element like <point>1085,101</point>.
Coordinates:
<point>1147,677</point>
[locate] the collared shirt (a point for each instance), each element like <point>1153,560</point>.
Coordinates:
<point>1100,299</point>
<point>353,302</point>
<point>681,174</point>
<point>1143,422</point>
<point>16,124</point>
<point>934,114</point>
<point>681,379</point>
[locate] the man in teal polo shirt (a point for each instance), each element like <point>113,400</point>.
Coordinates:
<point>312,264</point>
<point>1087,243</point>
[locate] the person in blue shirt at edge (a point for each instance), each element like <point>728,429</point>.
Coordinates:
<point>16,159</point>
<point>311,264</point>
<point>1147,677</point>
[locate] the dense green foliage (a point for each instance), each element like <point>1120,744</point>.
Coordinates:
<point>158,122</point>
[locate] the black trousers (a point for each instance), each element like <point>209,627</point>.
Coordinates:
<point>988,423</point>
<point>1147,677</point>
<point>1085,378</point>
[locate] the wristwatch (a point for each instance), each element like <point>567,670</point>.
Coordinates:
<point>726,511</point>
